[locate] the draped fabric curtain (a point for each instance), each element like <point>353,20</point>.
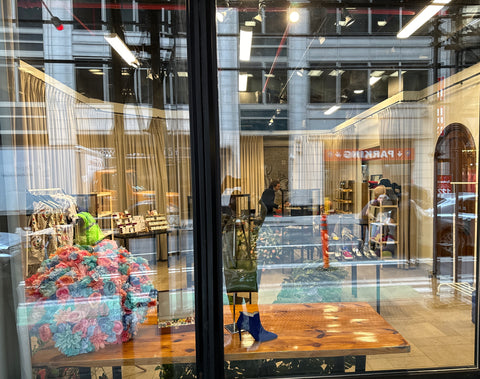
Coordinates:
<point>242,168</point>
<point>396,128</point>
<point>252,167</point>
<point>178,168</point>
<point>340,170</point>
<point>80,146</point>
<point>307,176</point>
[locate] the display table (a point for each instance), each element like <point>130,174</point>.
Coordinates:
<point>125,237</point>
<point>304,331</point>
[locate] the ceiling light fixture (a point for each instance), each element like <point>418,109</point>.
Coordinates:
<point>421,18</point>
<point>242,82</point>
<point>374,79</point>
<point>358,91</point>
<point>347,19</point>
<point>119,46</point>
<point>332,109</point>
<point>246,36</point>
<point>382,22</point>
<point>315,73</point>
<point>294,16</point>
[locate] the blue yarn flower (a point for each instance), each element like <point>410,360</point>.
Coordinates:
<point>67,342</point>
<point>109,288</point>
<point>48,289</point>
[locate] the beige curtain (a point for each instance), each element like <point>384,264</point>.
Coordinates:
<point>339,170</point>
<point>252,167</point>
<point>72,143</point>
<point>396,127</point>
<point>242,167</point>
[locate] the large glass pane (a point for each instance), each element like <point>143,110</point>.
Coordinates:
<point>349,210</point>
<point>95,206</point>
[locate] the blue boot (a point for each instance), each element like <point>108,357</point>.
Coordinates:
<point>251,323</point>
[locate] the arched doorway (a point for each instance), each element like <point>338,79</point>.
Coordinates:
<point>454,208</point>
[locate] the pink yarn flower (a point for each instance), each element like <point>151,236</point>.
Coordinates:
<point>44,332</point>
<point>63,293</point>
<point>117,327</point>
<point>98,339</point>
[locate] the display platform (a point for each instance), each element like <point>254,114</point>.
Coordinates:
<point>304,331</point>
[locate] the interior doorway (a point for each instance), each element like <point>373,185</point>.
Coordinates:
<point>454,206</point>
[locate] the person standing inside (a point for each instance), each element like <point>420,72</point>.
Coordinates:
<point>268,197</point>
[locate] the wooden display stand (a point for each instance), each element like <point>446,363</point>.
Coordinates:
<point>344,197</point>
<point>383,228</point>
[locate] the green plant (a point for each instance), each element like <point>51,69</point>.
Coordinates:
<point>312,283</point>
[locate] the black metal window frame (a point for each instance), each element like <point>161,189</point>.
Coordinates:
<point>204,127</point>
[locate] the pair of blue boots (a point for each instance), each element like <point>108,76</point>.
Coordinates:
<point>250,322</point>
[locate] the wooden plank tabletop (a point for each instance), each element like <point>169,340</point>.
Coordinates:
<point>304,330</point>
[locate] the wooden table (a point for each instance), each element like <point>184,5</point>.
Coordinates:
<point>304,331</point>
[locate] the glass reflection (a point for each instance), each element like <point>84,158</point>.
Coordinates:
<point>361,191</point>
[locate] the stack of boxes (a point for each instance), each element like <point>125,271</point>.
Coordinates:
<point>128,224</point>
<point>156,221</point>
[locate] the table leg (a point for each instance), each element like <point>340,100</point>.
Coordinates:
<point>117,372</point>
<point>338,365</point>
<point>360,363</point>
<point>84,373</point>
<point>354,280</point>
<point>377,268</point>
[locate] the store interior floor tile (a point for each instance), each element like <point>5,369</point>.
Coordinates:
<point>438,328</point>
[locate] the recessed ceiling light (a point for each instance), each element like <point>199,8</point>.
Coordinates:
<point>332,109</point>
<point>336,72</point>
<point>315,72</point>
<point>358,91</point>
<point>382,23</point>
<point>182,74</point>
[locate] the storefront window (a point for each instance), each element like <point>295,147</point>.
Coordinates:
<point>296,193</point>
<point>354,224</point>
<point>96,210</point>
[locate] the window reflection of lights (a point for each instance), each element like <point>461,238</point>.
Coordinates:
<point>377,73</point>
<point>299,73</point>
<point>358,91</point>
<point>423,57</point>
<point>321,40</point>
<point>97,73</point>
<point>382,22</point>
<point>336,72</point>
<point>182,74</point>
<point>258,18</point>
<point>269,75</point>
<point>119,46</point>
<point>347,19</point>
<point>125,73</point>
<point>374,79</point>
<point>332,109</point>
<point>242,82</point>
<point>246,35</point>
<point>294,16</point>
<point>315,72</point>
<point>92,70</point>
<point>421,18</point>
<point>221,16</point>
<point>395,74</point>
<point>250,23</point>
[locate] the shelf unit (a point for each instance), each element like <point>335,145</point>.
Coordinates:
<point>344,197</point>
<point>383,229</point>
